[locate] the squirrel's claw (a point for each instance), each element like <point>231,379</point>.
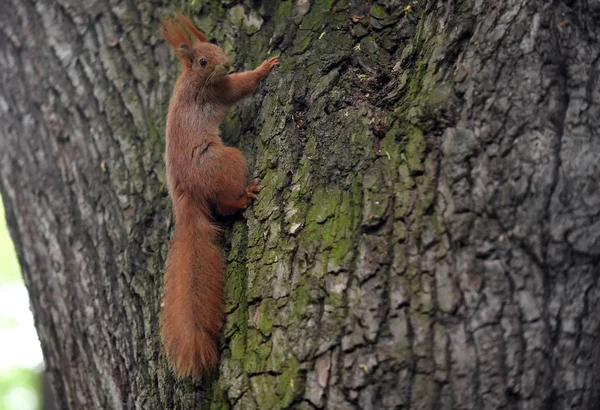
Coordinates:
<point>254,187</point>
<point>273,61</point>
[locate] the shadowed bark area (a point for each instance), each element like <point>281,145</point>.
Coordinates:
<point>429,232</point>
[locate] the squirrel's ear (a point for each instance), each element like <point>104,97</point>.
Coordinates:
<point>174,34</point>
<point>187,23</point>
<point>185,54</point>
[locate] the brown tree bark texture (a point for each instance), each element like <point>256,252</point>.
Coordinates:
<point>429,232</point>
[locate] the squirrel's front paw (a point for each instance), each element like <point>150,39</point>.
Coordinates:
<point>273,61</point>
<point>268,65</point>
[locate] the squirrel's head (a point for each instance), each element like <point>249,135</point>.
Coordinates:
<point>206,62</point>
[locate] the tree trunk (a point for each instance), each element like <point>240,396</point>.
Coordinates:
<point>428,236</point>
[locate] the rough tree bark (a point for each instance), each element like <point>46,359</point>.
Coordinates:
<point>429,232</point>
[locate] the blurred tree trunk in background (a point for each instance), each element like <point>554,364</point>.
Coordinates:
<point>428,235</point>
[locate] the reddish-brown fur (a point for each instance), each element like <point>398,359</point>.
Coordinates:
<point>203,176</point>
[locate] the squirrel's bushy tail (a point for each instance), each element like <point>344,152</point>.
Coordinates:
<point>193,304</point>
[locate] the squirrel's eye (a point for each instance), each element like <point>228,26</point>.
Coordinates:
<point>203,62</point>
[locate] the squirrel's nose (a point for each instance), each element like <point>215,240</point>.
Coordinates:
<point>227,66</point>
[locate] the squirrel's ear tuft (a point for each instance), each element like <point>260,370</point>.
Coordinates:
<point>187,23</point>
<point>177,38</point>
<point>174,34</point>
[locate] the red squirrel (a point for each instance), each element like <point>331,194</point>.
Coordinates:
<point>204,177</point>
